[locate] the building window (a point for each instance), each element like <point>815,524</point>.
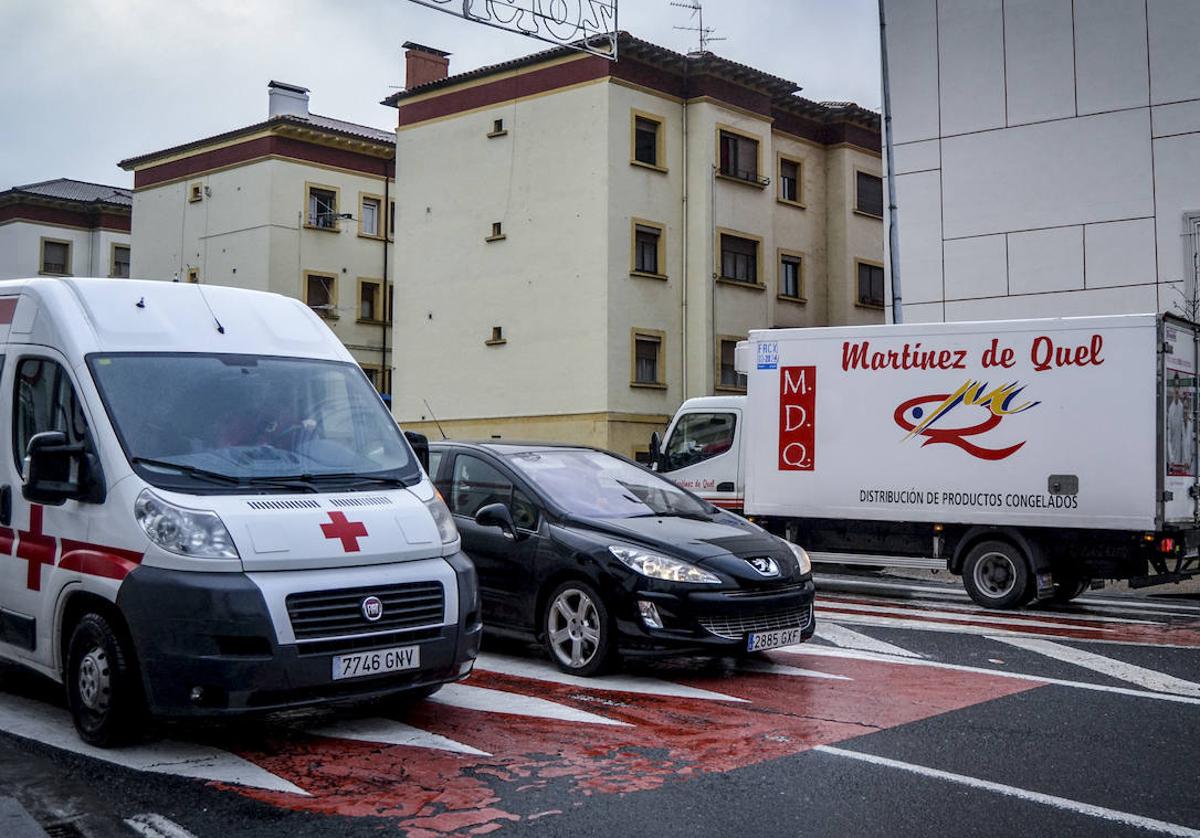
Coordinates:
<point>322,208</point>
<point>380,377</point>
<point>320,294</point>
<point>868,194</point>
<point>369,294</point>
<point>648,359</point>
<point>647,249</point>
<point>497,232</point>
<point>739,156</point>
<point>193,275</point>
<point>120,261</point>
<point>368,216</point>
<point>728,378</point>
<point>56,257</point>
<point>497,337</point>
<point>648,141</point>
<point>739,259</point>
<point>791,277</point>
<point>789,180</point>
<point>195,192</point>
<point>497,128</point>
<point>870,284</point>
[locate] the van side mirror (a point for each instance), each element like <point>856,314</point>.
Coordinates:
<point>656,457</point>
<point>420,447</point>
<point>497,515</point>
<point>56,471</point>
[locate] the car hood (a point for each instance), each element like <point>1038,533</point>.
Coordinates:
<point>688,538</point>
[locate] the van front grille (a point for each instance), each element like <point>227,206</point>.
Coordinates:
<point>322,614</point>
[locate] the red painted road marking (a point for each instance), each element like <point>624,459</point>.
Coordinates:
<point>669,740</point>
<point>36,548</point>
<point>349,532</point>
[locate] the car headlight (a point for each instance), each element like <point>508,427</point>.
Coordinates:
<point>442,517</point>
<point>198,533</point>
<point>662,567</point>
<point>801,557</point>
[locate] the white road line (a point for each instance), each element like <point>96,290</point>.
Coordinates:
<point>790,671</point>
<point>388,732</point>
<point>1146,678</point>
<point>950,612</point>
<point>498,701</point>
<point>851,654</point>
<point>151,825</point>
<point>847,639</point>
<point>885,621</point>
<point>545,671</point>
<point>52,726</point>
<point>1104,813</point>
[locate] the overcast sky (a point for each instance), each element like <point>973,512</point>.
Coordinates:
<point>85,83</point>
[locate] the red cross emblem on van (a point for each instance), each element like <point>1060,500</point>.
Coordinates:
<point>348,532</point>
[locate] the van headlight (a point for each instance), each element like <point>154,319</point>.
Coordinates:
<point>662,567</point>
<point>801,557</point>
<point>197,533</point>
<point>442,517</point>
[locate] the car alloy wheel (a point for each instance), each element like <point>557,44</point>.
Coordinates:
<point>576,629</point>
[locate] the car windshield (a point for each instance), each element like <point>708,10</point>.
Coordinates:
<point>217,422</point>
<point>593,484</point>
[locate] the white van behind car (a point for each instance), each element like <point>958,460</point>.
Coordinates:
<point>206,509</point>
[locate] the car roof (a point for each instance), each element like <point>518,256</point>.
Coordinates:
<point>507,448</point>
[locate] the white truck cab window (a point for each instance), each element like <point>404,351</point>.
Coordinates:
<point>698,437</point>
<point>45,401</point>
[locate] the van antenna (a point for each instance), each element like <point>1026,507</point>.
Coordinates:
<point>435,421</point>
<point>220,328</point>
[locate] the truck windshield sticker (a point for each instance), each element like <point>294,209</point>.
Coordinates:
<point>797,418</point>
<point>768,355</point>
<point>915,417</point>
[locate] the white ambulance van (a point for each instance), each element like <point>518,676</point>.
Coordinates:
<point>206,509</point>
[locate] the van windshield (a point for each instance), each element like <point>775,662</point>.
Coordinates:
<point>219,423</point>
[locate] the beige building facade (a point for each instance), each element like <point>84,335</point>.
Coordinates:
<point>299,204</point>
<point>581,243</point>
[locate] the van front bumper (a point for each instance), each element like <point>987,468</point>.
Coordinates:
<point>206,646</point>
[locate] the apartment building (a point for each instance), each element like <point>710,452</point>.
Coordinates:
<point>581,243</point>
<point>64,227</point>
<point>298,204</point>
<point>1047,156</point>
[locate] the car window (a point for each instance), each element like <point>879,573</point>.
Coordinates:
<point>698,437</point>
<point>524,513</point>
<point>435,460</point>
<point>44,400</point>
<point>475,484</point>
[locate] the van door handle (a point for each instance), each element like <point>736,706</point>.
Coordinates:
<point>5,505</point>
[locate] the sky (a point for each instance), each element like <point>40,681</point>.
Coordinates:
<point>86,83</point>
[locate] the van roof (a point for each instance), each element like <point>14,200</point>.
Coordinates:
<point>80,316</point>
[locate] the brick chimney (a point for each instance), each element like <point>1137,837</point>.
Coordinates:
<point>287,100</point>
<point>423,64</point>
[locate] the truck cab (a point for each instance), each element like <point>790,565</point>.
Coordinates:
<point>701,451</point>
<point>206,509</point>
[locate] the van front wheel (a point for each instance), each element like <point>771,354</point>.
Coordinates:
<point>102,687</point>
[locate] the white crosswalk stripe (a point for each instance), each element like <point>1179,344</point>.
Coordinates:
<point>847,639</point>
<point>1042,619</point>
<point>499,701</point>
<point>388,732</point>
<point>1147,678</point>
<point>151,825</point>
<point>790,671</point>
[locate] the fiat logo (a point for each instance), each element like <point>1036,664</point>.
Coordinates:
<point>372,609</point>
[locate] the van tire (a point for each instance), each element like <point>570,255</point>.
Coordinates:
<point>996,574</point>
<point>103,691</point>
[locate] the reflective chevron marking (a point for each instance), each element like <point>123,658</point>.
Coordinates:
<point>388,732</point>
<point>847,639</point>
<point>790,671</point>
<point>545,671</point>
<point>498,701</point>
<point>51,725</point>
<point>1146,678</point>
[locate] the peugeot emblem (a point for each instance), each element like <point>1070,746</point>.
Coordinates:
<point>372,609</point>
<point>765,565</point>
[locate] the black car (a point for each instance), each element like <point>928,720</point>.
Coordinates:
<point>591,554</point>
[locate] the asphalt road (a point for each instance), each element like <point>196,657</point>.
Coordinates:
<point>912,713</point>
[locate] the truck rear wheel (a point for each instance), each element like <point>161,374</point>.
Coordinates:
<point>1067,587</point>
<point>996,575</point>
<point>102,686</point>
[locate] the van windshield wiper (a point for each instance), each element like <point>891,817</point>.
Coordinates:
<point>310,481</point>
<point>190,471</point>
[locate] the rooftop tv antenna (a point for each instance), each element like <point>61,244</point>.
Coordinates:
<point>705,32</point>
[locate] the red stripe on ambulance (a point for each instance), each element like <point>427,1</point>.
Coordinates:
<point>40,550</point>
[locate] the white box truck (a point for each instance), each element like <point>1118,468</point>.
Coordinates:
<point>206,509</point>
<point>1030,456</point>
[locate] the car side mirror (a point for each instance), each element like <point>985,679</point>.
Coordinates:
<point>420,447</point>
<point>56,471</point>
<point>498,515</point>
<point>655,452</point>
